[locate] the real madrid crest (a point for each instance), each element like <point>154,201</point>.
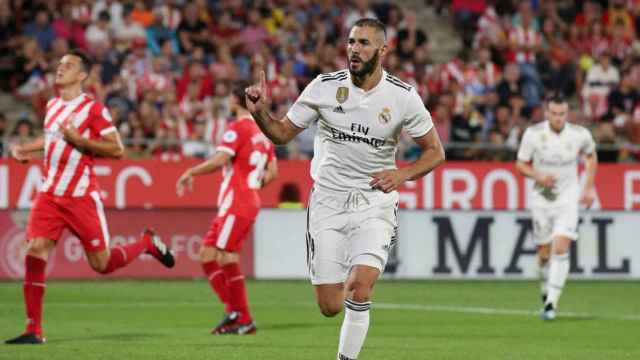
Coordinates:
<point>385,116</point>
<point>342,94</point>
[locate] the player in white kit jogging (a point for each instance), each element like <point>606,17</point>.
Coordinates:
<point>352,215</point>
<point>550,153</point>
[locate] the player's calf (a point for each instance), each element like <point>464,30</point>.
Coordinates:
<point>330,299</point>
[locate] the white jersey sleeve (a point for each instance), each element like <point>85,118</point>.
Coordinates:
<point>587,145</point>
<point>525,152</point>
<point>417,119</point>
<point>304,111</point>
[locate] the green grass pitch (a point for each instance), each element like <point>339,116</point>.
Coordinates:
<point>410,320</point>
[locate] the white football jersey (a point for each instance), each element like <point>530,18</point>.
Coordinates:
<point>358,130</point>
<point>557,154</point>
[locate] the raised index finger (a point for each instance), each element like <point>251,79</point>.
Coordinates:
<point>263,80</point>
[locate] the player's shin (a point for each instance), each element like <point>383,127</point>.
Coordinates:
<point>543,275</point>
<point>33,290</point>
<point>354,329</point>
<point>237,291</point>
<point>558,273</point>
<point>218,283</point>
<point>121,256</point>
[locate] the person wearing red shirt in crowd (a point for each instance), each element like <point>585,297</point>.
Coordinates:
<point>248,161</point>
<point>76,130</point>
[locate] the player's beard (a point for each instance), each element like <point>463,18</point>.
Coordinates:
<point>367,66</point>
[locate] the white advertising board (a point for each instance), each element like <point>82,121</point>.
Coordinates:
<point>463,245</point>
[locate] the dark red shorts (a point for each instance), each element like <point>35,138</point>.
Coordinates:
<point>83,216</point>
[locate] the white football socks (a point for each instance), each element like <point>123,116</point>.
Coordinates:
<point>558,273</point>
<point>543,275</point>
<point>354,329</point>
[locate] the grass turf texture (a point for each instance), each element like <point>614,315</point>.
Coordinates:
<point>412,320</point>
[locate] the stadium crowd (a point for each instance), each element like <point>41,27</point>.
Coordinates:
<point>164,68</point>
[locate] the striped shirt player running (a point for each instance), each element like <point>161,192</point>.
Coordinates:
<point>352,214</point>
<point>76,129</point>
<point>248,162</point>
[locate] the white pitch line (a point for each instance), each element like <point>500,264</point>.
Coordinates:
<point>383,306</point>
<point>497,311</point>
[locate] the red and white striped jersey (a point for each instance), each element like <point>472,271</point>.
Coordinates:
<point>522,37</point>
<point>252,152</point>
<point>68,171</point>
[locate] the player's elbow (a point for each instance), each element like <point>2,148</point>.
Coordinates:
<point>438,155</point>
<point>441,156</point>
<point>118,152</point>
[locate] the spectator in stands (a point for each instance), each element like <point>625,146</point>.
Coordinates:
<point>158,33</point>
<point>525,45</point>
<point>66,27</point>
<point>600,79</point>
<point>23,132</point>
<point>466,128</point>
<point>113,7</point>
<point>361,10</point>
<point>192,31</point>
<point>128,31</point>
<point>605,136</point>
<point>410,38</point>
<point>511,84</point>
<point>99,32</point>
<point>623,97</point>
<point>41,30</point>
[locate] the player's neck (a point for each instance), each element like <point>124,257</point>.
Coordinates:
<point>70,92</point>
<point>368,81</point>
<point>556,130</point>
<point>242,113</point>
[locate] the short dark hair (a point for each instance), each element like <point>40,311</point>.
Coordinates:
<point>556,98</point>
<point>85,60</point>
<point>238,90</point>
<point>371,22</point>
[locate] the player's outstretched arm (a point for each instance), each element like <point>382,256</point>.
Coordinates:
<point>278,131</point>
<point>432,156</point>
<point>23,153</point>
<point>186,179</point>
<point>109,145</point>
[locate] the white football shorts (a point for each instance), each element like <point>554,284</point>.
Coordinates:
<point>550,222</point>
<point>346,229</point>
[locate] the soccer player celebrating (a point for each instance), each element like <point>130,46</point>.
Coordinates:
<point>352,214</point>
<point>76,129</point>
<point>248,161</point>
<point>549,154</point>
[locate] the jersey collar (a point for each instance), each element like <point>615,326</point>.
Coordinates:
<point>373,89</point>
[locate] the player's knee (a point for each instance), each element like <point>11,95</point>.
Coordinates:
<point>227,257</point>
<point>100,267</point>
<point>207,254</point>
<point>360,290</point>
<point>330,308</point>
<point>39,248</point>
